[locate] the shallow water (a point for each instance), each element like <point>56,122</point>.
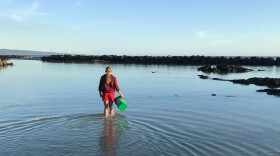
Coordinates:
<point>54,109</point>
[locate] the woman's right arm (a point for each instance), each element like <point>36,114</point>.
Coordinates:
<point>100,87</point>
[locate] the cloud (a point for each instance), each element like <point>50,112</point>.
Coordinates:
<point>24,14</point>
<point>12,15</point>
<point>33,11</point>
<point>201,33</point>
<point>78,3</point>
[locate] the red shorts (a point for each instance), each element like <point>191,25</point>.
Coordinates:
<point>108,96</point>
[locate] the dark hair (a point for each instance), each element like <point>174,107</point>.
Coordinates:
<point>108,77</point>
<point>108,68</point>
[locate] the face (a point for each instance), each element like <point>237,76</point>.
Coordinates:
<point>109,72</point>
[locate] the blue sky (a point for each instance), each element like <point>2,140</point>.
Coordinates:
<point>142,27</point>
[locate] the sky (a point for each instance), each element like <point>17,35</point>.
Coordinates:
<point>142,27</point>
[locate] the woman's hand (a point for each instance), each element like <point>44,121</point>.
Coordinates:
<point>120,93</point>
<point>100,95</point>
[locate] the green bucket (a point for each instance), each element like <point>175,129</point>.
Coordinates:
<point>120,102</point>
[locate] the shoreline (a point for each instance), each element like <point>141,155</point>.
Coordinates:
<point>161,60</point>
<point>165,60</point>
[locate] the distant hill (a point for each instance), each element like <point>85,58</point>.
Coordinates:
<point>25,52</point>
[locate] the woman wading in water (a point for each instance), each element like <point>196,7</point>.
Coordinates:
<point>107,86</point>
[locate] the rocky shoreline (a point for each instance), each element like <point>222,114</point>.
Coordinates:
<point>272,83</point>
<point>7,57</point>
<point>167,60</point>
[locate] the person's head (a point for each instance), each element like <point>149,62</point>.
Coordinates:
<point>108,70</point>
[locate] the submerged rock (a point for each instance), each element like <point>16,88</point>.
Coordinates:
<point>275,92</point>
<point>272,83</point>
<point>269,82</point>
<point>203,76</point>
<point>240,81</point>
<point>218,79</point>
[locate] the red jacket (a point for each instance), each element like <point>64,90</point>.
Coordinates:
<point>105,88</point>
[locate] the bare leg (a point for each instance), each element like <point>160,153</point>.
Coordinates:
<point>106,104</point>
<point>111,108</point>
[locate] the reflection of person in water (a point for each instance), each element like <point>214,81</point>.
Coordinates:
<point>107,141</point>
<point>111,137</point>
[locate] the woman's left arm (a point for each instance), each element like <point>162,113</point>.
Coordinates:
<point>120,93</point>
<point>117,88</point>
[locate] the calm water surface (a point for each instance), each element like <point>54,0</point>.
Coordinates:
<point>55,109</point>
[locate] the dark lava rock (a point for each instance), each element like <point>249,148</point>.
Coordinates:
<point>232,69</point>
<point>241,81</point>
<point>269,82</point>
<point>218,79</point>
<point>203,76</point>
<point>275,92</point>
<point>213,94</point>
<point>230,96</point>
<point>272,83</point>
<point>224,69</point>
<point>205,69</point>
<point>261,70</point>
